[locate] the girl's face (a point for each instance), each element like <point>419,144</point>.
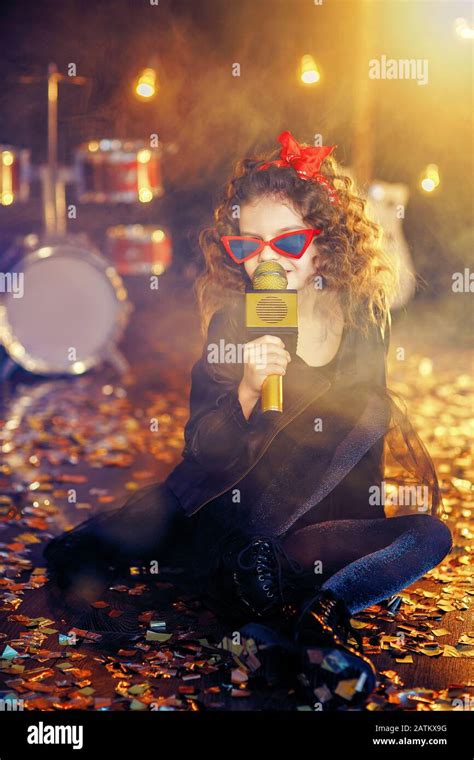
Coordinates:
<point>266,218</point>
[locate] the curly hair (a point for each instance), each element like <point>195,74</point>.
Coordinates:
<point>350,257</point>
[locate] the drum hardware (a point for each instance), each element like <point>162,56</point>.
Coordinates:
<point>54,211</point>
<point>58,268</point>
<point>74,307</point>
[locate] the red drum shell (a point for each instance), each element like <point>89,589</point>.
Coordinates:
<point>139,249</point>
<point>14,175</point>
<point>114,171</point>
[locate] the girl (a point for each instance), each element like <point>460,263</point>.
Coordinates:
<point>284,514</point>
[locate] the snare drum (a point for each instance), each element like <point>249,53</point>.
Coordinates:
<point>65,309</point>
<point>14,175</point>
<point>139,249</point>
<point>118,171</point>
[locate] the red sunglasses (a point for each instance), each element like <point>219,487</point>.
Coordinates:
<point>293,244</point>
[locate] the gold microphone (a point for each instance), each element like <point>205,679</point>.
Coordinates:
<point>271,309</point>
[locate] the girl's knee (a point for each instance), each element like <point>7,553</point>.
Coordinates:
<point>434,535</point>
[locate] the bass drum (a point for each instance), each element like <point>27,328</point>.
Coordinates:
<point>65,306</point>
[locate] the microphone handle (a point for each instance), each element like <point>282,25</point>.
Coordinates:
<point>272,394</point>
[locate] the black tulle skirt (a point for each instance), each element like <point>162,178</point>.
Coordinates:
<point>149,526</point>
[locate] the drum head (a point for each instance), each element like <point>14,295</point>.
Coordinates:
<point>69,314</point>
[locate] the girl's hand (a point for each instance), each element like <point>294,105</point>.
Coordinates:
<point>266,355</point>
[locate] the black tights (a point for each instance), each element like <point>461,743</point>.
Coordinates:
<point>366,561</point>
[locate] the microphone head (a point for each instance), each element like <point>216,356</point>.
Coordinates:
<point>269,275</point>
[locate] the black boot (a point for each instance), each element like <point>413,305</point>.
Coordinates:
<point>326,616</point>
<point>333,673</point>
<point>266,578</point>
<point>258,578</point>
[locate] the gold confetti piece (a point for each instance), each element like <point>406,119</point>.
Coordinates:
<point>404,660</point>
<point>450,651</point>
<point>346,689</point>
<point>466,638</point>
<point>360,624</point>
<point>136,705</point>
<point>64,665</point>
<point>87,691</point>
<point>28,538</point>
<point>154,636</point>
<point>139,688</point>
<point>446,606</point>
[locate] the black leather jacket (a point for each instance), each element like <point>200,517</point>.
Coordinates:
<point>221,445</point>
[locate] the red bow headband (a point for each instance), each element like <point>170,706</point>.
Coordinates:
<point>305,161</point>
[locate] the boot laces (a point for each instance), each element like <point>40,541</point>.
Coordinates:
<point>268,558</point>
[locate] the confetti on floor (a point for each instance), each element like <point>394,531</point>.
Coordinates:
<point>148,643</point>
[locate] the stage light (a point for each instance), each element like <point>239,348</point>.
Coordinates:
<point>463,30</point>
<point>428,185</point>
<point>309,73</point>
<point>158,236</point>
<point>377,192</point>
<point>79,368</point>
<point>145,87</point>
<point>143,156</point>
<point>145,195</point>
<point>430,178</point>
<point>425,367</point>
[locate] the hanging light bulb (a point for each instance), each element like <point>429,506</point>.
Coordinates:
<point>309,73</point>
<point>145,86</point>
<point>463,30</point>
<point>430,178</point>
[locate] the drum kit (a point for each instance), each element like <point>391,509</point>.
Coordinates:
<point>73,306</point>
